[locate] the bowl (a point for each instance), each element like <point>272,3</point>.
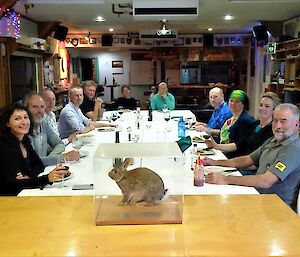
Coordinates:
<point>86,138</point>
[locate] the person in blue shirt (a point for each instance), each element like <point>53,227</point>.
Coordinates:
<point>163,99</point>
<point>220,114</point>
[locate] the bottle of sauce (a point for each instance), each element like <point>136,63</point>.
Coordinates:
<point>199,173</point>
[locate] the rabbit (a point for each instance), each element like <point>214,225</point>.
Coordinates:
<point>140,185</point>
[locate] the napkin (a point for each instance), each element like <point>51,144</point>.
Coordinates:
<point>184,143</point>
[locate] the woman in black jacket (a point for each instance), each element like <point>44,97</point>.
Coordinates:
<point>20,165</point>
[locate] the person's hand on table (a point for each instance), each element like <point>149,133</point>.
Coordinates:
<point>209,161</point>
<point>215,178</point>
<point>58,172</point>
<point>73,155</point>
<point>211,143</point>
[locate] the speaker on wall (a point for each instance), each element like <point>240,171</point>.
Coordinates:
<point>60,33</point>
<point>208,40</point>
<point>107,40</point>
<point>260,33</point>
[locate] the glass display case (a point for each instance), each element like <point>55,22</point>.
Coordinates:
<point>150,175</point>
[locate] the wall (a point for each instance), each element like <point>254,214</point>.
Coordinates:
<point>133,74</point>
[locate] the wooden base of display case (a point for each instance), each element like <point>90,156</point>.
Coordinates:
<point>109,211</point>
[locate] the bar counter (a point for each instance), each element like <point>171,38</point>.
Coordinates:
<point>213,225</point>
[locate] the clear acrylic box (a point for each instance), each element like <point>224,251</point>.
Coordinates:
<point>165,159</point>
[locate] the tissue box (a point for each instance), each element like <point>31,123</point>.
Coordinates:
<point>165,159</point>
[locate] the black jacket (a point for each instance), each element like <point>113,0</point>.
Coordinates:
<point>13,162</point>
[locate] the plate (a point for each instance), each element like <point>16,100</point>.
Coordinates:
<point>106,129</point>
<point>65,178</point>
<point>83,153</point>
<point>206,152</point>
<point>224,170</point>
<point>196,139</point>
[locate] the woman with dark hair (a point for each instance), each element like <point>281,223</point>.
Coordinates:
<point>126,100</point>
<point>20,165</point>
<point>234,128</point>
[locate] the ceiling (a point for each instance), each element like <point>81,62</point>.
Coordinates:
<point>79,17</point>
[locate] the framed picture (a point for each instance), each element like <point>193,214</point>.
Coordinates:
<point>116,40</point>
<point>83,41</point>
<point>122,40</point>
<point>92,40</point>
<point>117,64</point>
<point>117,67</point>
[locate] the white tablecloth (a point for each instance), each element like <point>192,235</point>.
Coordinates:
<point>156,131</point>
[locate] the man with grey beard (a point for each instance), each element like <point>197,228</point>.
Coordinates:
<point>277,160</point>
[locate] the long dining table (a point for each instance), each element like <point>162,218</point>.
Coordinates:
<point>157,131</point>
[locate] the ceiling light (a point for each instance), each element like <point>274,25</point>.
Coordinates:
<point>210,29</point>
<point>228,17</point>
<point>99,19</point>
<point>110,29</point>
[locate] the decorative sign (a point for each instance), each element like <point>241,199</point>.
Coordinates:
<point>271,48</point>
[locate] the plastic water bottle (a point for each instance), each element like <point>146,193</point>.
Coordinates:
<point>181,128</point>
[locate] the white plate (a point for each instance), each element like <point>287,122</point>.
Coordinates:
<point>205,152</point>
<point>224,170</point>
<point>66,178</point>
<point>83,153</point>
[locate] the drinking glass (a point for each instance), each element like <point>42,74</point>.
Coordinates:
<point>77,143</point>
<point>165,108</point>
<point>63,160</point>
<point>120,111</point>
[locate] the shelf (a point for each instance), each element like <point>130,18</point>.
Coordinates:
<point>291,89</point>
<point>21,48</point>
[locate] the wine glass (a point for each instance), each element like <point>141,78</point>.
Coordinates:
<point>165,108</point>
<point>167,116</point>
<point>77,143</point>
<point>114,117</point>
<point>120,111</point>
<point>63,160</point>
<point>207,135</point>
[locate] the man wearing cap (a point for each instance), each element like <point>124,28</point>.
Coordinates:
<point>277,160</point>
<point>220,114</point>
<point>235,128</point>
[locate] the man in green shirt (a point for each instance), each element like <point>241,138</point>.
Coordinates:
<point>163,99</point>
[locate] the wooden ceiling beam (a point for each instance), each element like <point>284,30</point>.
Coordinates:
<point>45,28</point>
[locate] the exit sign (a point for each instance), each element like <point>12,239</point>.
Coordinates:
<point>271,48</point>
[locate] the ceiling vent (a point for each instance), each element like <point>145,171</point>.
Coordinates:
<point>168,9</point>
<point>152,34</point>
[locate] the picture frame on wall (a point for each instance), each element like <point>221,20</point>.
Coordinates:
<point>83,41</point>
<point>117,67</point>
<point>92,41</point>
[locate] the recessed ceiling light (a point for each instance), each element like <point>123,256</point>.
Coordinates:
<point>210,29</point>
<point>110,29</point>
<point>228,17</point>
<point>99,19</point>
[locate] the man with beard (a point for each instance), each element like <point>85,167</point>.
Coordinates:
<point>277,160</point>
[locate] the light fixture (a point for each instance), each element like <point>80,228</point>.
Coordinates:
<point>99,19</point>
<point>111,30</point>
<point>210,29</point>
<point>163,31</point>
<point>228,17</point>
<point>88,36</point>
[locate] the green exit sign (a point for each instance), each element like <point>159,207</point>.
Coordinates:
<point>271,48</point>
